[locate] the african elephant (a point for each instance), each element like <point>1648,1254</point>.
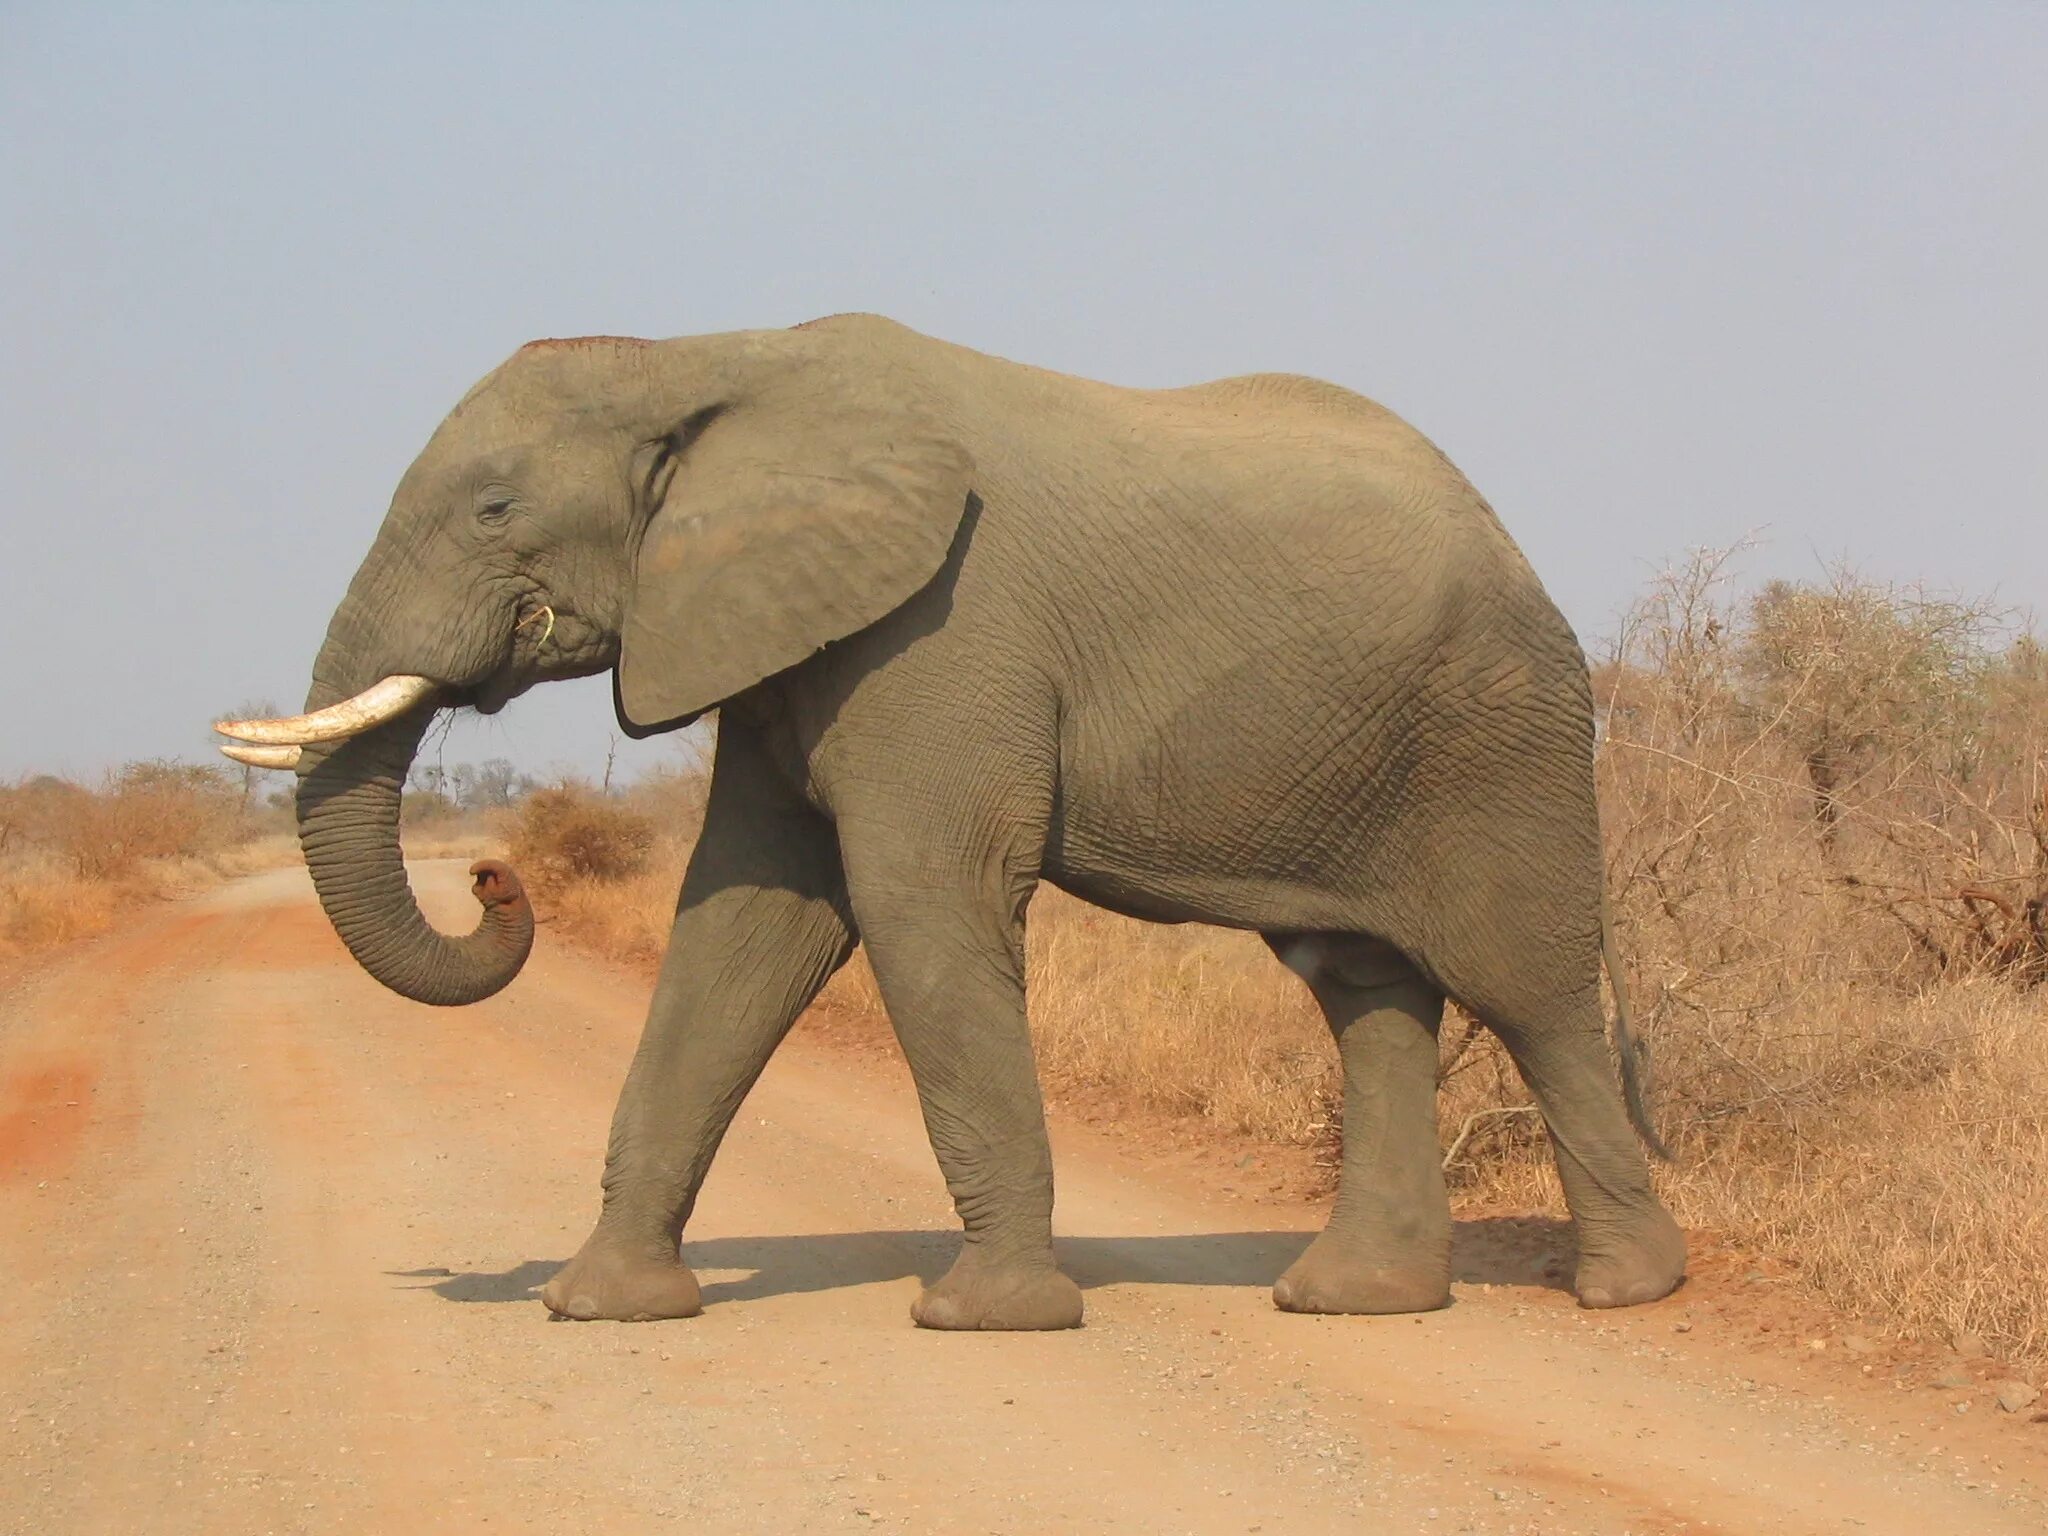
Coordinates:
<point>1251,653</point>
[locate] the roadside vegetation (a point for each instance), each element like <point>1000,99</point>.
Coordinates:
<point>1827,826</point>
<point>74,857</point>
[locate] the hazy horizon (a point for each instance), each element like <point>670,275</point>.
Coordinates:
<point>1654,280</point>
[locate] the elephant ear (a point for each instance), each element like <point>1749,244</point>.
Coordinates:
<point>780,523</point>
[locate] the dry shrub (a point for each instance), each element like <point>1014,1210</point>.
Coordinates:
<point>1801,799</point>
<point>1828,860</point>
<point>1827,857</point>
<point>625,920</point>
<point>607,867</point>
<point>569,833</point>
<point>72,857</point>
<point>142,811</point>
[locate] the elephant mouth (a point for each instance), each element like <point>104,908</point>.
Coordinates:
<point>548,643</point>
<point>493,693</point>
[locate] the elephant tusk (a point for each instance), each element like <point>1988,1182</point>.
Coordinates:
<point>264,757</point>
<point>381,701</point>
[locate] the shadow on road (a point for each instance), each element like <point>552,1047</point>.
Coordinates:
<point>1496,1250</point>
<point>522,1282</point>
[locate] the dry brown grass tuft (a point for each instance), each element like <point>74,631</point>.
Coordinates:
<point>1828,854</point>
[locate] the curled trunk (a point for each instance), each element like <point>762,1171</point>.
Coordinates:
<point>348,804</point>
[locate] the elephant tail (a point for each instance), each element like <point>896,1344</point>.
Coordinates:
<point>1634,1055</point>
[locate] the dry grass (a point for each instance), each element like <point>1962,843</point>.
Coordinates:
<point>1828,852</point>
<point>1184,1020</point>
<point>74,858</point>
<point>1189,1022</point>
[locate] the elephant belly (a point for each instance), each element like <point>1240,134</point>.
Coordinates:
<point>1229,811</point>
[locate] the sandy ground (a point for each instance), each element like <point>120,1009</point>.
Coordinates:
<point>274,1236</point>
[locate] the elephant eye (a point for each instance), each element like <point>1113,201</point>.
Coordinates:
<point>493,513</point>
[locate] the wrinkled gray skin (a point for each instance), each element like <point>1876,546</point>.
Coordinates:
<point>1251,653</point>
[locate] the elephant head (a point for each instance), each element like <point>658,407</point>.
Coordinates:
<point>695,514</point>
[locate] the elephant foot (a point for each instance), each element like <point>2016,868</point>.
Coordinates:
<point>1627,1264</point>
<point>978,1294</point>
<point>1330,1277</point>
<point>622,1287</point>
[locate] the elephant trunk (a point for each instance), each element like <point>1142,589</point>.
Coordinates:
<point>350,790</point>
<point>355,748</point>
<point>348,808</point>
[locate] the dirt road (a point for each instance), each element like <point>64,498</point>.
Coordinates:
<point>274,1235</point>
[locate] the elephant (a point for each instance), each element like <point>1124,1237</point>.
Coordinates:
<point>1250,653</point>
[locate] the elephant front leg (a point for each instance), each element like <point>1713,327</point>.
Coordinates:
<point>762,924</point>
<point>951,975</point>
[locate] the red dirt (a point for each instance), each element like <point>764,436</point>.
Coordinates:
<point>43,1108</point>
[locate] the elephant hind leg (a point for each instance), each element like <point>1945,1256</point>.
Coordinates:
<point>1387,1247</point>
<point>1630,1249</point>
<point>947,949</point>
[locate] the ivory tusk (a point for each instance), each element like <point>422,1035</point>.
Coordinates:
<point>264,757</point>
<point>381,701</point>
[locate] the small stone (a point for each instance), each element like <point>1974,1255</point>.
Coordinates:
<point>1681,1327</point>
<point>1970,1346</point>
<point>2015,1395</point>
<point>1949,1381</point>
<point>1857,1344</point>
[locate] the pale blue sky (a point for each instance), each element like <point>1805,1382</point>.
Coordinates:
<point>1654,276</point>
